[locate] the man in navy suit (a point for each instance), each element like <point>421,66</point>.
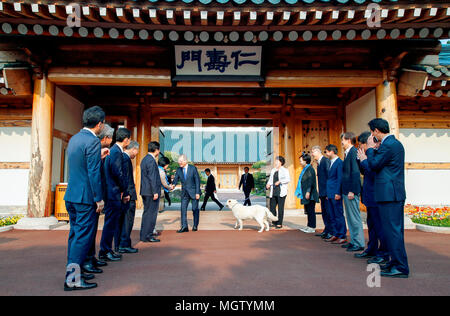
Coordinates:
<point>92,264</point>
<point>334,196</point>
<point>351,189</point>
<point>386,156</point>
<point>210,189</point>
<point>323,164</point>
<point>376,251</point>
<point>129,207</point>
<point>117,184</point>
<point>150,192</point>
<point>248,184</point>
<point>190,191</point>
<point>84,198</point>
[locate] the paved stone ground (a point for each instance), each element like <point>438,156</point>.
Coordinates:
<point>222,263</point>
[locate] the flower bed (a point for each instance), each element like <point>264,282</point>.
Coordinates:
<point>12,220</point>
<point>426,215</point>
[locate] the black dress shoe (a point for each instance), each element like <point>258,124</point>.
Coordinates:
<point>221,208</point>
<point>117,255</point>
<point>153,239</point>
<point>82,286</point>
<point>394,273</point>
<point>128,250</point>
<point>202,209</point>
<point>183,230</point>
<point>194,229</point>
<point>386,266</point>
<point>363,255</point>
<point>354,248</point>
<point>377,260</point>
<point>90,268</point>
<point>109,256</point>
<point>98,263</point>
<point>87,277</point>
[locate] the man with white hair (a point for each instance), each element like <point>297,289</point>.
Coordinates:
<point>190,191</point>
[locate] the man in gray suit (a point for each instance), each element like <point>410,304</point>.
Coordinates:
<point>190,191</point>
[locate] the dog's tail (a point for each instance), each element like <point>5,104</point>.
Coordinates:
<point>270,215</point>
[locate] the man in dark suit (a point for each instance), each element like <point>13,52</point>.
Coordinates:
<point>323,164</point>
<point>190,191</point>
<point>351,189</point>
<point>386,157</point>
<point>150,192</point>
<point>92,264</point>
<point>84,198</point>
<point>123,237</point>
<point>210,189</point>
<point>376,251</point>
<point>334,197</point>
<point>117,184</point>
<point>248,184</point>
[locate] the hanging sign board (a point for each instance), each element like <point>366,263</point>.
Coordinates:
<point>217,63</point>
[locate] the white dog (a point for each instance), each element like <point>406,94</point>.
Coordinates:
<point>258,212</point>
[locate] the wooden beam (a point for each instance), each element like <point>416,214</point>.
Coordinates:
<point>14,165</point>
<point>427,124</point>
<point>62,135</point>
<point>15,123</point>
<point>323,78</point>
<point>219,84</point>
<point>110,76</point>
<point>15,114</point>
<point>427,166</point>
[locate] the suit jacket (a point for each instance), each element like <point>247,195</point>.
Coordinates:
<point>84,159</point>
<point>150,178</point>
<point>322,175</point>
<point>334,181</point>
<point>116,178</point>
<point>248,185</point>
<point>351,179</point>
<point>191,184</point>
<point>128,171</point>
<point>368,189</point>
<point>210,185</point>
<point>309,184</point>
<point>388,162</point>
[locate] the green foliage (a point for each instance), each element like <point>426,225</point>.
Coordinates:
<point>440,222</point>
<point>259,164</point>
<point>12,220</point>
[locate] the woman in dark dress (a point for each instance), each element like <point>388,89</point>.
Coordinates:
<point>307,192</point>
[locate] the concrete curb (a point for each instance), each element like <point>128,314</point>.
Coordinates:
<point>433,229</point>
<point>6,228</point>
<point>41,223</point>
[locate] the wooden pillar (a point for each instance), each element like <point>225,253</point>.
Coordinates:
<point>143,138</point>
<point>39,185</point>
<point>298,139</point>
<point>386,99</point>
<point>289,152</point>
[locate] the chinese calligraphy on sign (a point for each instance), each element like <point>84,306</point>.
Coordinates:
<point>218,60</point>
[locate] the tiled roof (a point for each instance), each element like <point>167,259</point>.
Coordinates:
<point>275,1</point>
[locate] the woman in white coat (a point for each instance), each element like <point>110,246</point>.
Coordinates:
<point>278,183</point>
